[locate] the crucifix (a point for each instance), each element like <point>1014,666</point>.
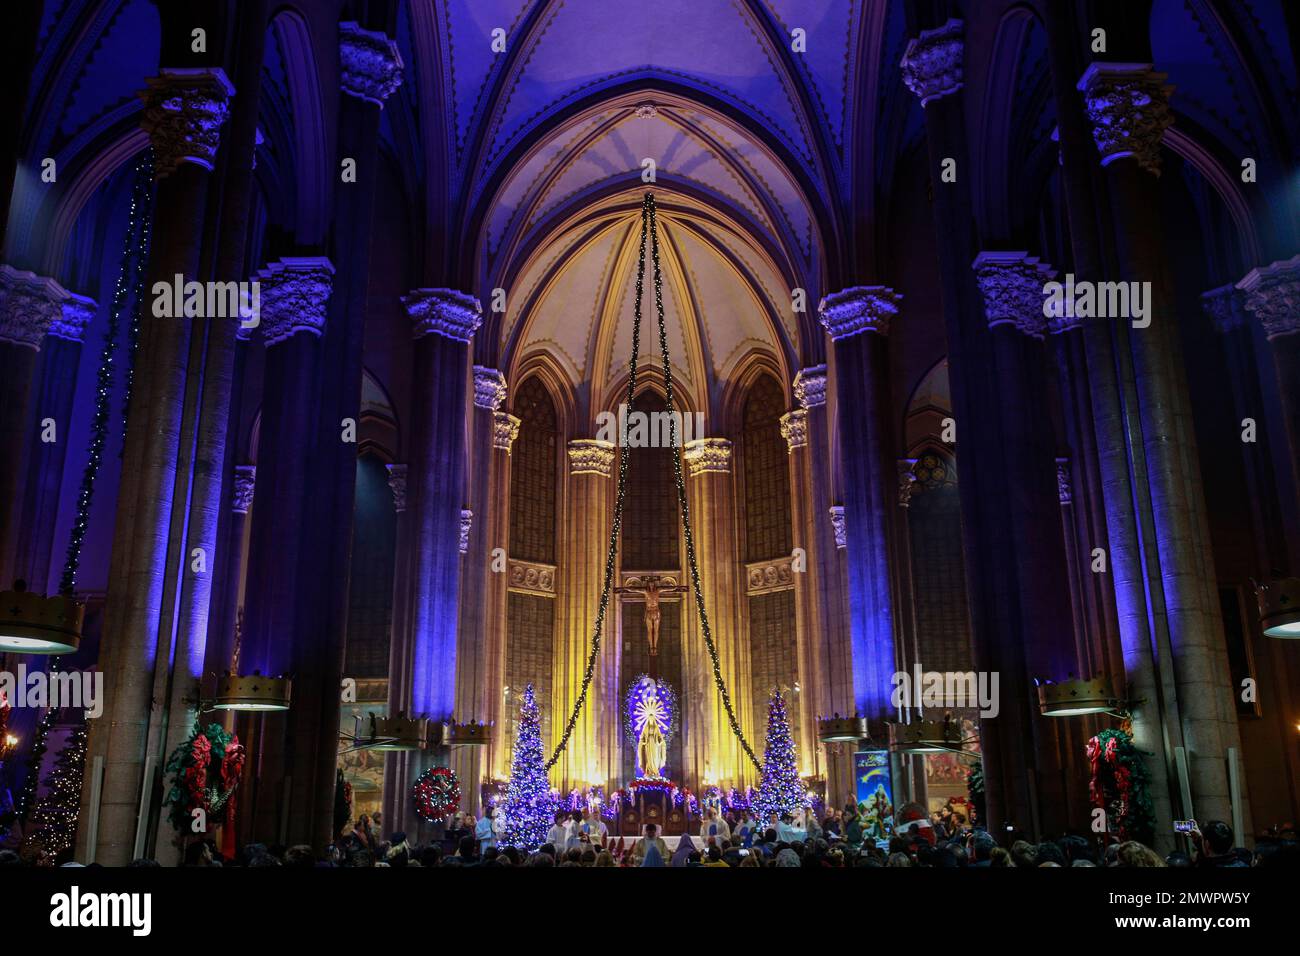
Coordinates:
<point>651,587</point>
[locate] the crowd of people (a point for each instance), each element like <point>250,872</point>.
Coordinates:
<point>730,839</point>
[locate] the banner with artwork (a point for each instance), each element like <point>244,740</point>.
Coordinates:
<point>875,793</point>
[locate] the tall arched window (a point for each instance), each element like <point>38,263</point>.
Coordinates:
<point>765,489</point>
<point>530,618</point>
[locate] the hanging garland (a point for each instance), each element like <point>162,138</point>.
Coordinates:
<point>205,769</point>
<point>436,793</point>
<point>1119,786</point>
<point>127,289</point>
<point>649,223</point>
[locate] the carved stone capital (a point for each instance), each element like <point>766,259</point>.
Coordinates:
<point>76,313</point>
<point>466,522</point>
<point>489,388</point>
<point>397,484</point>
<point>1012,286</point>
<point>1273,295</point>
<point>445,312</point>
<point>708,456</point>
<point>505,429</point>
<point>183,113</point>
<point>294,296</point>
<point>1128,106</point>
<point>794,429</point>
<point>30,305</point>
<point>1225,307</point>
<point>837,522</point>
<point>371,63</point>
<point>906,481</point>
<point>932,63</point>
<point>1064,490</point>
<point>865,308</point>
<point>591,456</point>
<point>810,386</point>
<point>241,489</point>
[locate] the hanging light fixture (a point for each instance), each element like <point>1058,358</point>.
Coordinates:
<point>837,729</point>
<point>1279,607</point>
<point>35,624</point>
<point>397,732</point>
<point>254,691</point>
<point>467,735</point>
<point>926,737</point>
<point>1075,697</point>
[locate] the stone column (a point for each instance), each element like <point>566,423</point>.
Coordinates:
<point>183,113</point>
<point>592,753</point>
<point>908,649</point>
<point>52,400</point>
<point>295,295</point>
<point>712,496</point>
<point>1127,105</point>
<point>858,322</point>
<point>475,696</point>
<point>222,645</point>
<point>30,305</point>
<point>398,809</point>
<point>1272,295</point>
<point>505,429</point>
<point>807,608</point>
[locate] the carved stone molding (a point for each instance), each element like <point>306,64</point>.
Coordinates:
<point>591,456</point>
<point>906,481</point>
<point>241,490</point>
<point>76,313</point>
<point>865,308</point>
<point>531,577</point>
<point>1128,106</point>
<point>633,581</point>
<point>372,67</point>
<point>762,577</point>
<point>837,522</point>
<point>708,456</point>
<point>445,312</point>
<point>183,113</point>
<point>505,429</point>
<point>295,294</point>
<point>932,63</point>
<point>489,388</point>
<point>1012,286</point>
<point>1273,295</point>
<point>1064,490</point>
<point>810,386</point>
<point>397,484</point>
<point>30,305</point>
<point>466,522</point>
<point>794,429</point>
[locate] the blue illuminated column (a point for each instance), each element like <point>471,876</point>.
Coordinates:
<point>858,322</point>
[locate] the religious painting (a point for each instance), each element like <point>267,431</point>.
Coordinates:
<point>874,790</point>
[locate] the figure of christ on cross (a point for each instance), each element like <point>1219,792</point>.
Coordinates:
<point>651,588</point>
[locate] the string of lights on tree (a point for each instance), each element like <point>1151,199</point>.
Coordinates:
<point>54,819</point>
<point>781,790</point>
<point>529,804</point>
<point>127,293</point>
<point>649,224</point>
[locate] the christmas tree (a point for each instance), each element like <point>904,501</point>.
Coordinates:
<point>529,806</point>
<point>54,819</point>
<point>781,790</point>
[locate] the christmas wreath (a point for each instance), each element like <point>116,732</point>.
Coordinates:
<point>1119,786</point>
<point>436,793</point>
<point>206,770</point>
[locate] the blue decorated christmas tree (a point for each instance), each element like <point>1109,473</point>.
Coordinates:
<point>529,806</point>
<point>781,791</point>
